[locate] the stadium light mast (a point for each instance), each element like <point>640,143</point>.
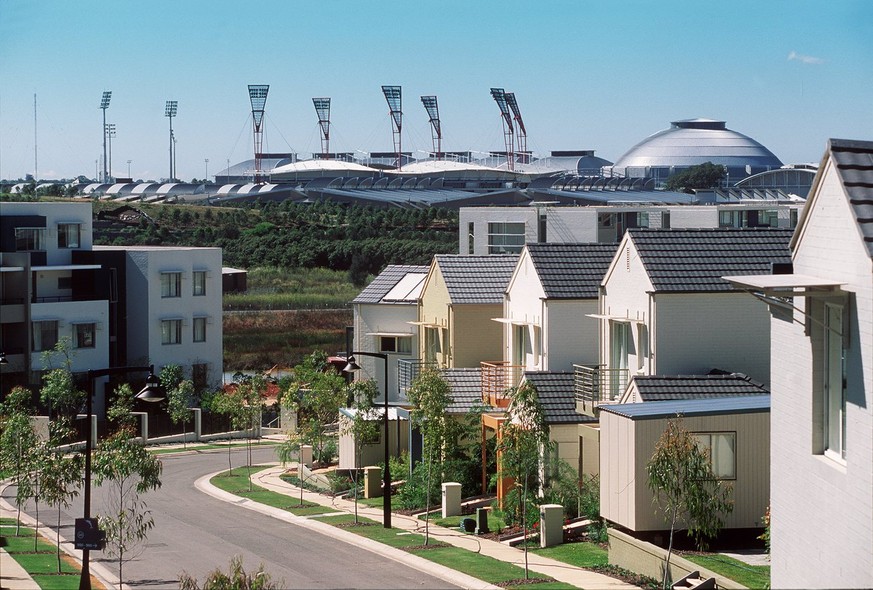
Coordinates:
<point>436,135</point>
<point>110,133</point>
<point>170,111</point>
<point>322,109</point>
<point>104,104</point>
<point>395,103</point>
<point>499,96</point>
<point>258,98</point>
<point>521,132</point>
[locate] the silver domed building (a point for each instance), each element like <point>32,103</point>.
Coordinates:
<point>695,141</point>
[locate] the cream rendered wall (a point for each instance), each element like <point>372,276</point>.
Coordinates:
<point>571,337</point>
<point>384,318</point>
<point>625,496</point>
<point>566,438</point>
<point>433,308</point>
<point>812,493</point>
<point>589,443</point>
<point>475,336</point>
<point>693,333</point>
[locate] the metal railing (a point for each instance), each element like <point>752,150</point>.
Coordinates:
<point>594,384</point>
<point>408,370</point>
<point>497,377</point>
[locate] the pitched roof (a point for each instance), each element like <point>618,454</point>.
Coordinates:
<point>690,407</point>
<point>385,281</point>
<point>466,389</point>
<point>854,164</point>
<point>571,271</point>
<point>685,260</point>
<point>476,279</point>
<point>557,398</point>
<point>676,387</point>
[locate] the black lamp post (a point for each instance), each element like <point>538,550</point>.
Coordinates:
<point>152,392</point>
<point>351,367</point>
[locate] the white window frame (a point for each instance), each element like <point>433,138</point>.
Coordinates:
<point>198,332</point>
<point>84,329</point>
<point>395,344</point>
<point>65,230</point>
<point>504,237</point>
<point>722,450</point>
<point>171,284</point>
<point>39,328</point>
<point>198,283</point>
<point>834,382</point>
<point>34,236</point>
<point>171,331</point>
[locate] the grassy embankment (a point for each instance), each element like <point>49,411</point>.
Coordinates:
<point>285,315</point>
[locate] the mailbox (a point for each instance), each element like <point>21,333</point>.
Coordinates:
<point>88,535</point>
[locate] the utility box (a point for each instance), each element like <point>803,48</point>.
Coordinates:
<point>451,499</point>
<point>372,482</point>
<point>551,525</point>
<point>306,455</point>
<point>482,521</point>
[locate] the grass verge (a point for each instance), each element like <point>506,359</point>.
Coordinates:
<point>750,576</point>
<point>42,564</point>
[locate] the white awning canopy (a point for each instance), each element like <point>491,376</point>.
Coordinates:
<point>615,318</point>
<point>391,334</point>
<point>68,267</point>
<point>513,321</point>
<point>787,285</point>
<point>425,324</point>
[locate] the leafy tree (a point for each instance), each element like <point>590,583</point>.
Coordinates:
<point>706,175</point>
<point>524,437</point>
<point>179,401</point>
<point>430,396</point>
<point>61,478</point>
<point>322,392</point>
<point>251,392</point>
<point>685,487</point>
<point>235,579</point>
<point>18,442</point>
<point>229,403</point>
<point>129,470</point>
<point>364,426</point>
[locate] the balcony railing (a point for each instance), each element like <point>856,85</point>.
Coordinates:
<point>408,370</point>
<point>594,384</point>
<point>497,377</point>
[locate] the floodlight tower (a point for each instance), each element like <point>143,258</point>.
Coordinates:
<point>394,99</point>
<point>170,111</point>
<point>110,133</point>
<point>521,132</point>
<point>436,135</point>
<point>104,104</point>
<point>258,97</point>
<point>322,109</point>
<point>499,96</point>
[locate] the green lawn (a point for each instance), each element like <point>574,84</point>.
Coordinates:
<point>578,554</point>
<point>495,523</point>
<point>42,564</point>
<point>751,576</point>
<point>238,484</point>
<point>193,446</point>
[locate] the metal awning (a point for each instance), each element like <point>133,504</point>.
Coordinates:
<point>513,321</point>
<point>425,324</point>
<point>390,334</point>
<point>615,318</point>
<point>787,285</point>
<point>68,267</point>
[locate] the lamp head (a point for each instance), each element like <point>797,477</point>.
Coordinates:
<point>3,360</point>
<point>153,392</point>
<point>351,366</point>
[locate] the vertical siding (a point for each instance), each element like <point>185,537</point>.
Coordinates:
<point>617,470</point>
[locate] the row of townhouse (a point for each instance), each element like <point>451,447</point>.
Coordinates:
<point>116,306</point>
<point>619,338</point>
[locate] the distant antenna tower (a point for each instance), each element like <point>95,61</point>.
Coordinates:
<point>499,97</point>
<point>521,132</point>
<point>433,111</point>
<point>322,109</point>
<point>395,103</point>
<point>104,104</point>
<point>258,96</point>
<point>170,110</point>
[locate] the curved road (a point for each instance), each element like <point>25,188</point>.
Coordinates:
<point>196,533</point>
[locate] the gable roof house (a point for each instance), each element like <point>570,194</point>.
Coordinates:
<point>666,310</point>
<point>822,382</point>
<point>385,313</point>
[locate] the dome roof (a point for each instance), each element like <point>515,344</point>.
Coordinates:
<point>694,141</point>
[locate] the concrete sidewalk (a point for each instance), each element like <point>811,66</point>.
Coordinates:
<point>560,571</point>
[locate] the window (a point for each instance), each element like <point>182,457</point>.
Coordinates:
<point>722,449</point>
<point>198,376</point>
<point>834,375</point>
<point>68,235</point>
<point>642,346</point>
<point>505,238</point>
<point>29,239</point>
<point>768,218</point>
<point>471,238</point>
<point>171,284</point>
<point>45,335</point>
<point>728,219</point>
<point>398,344</point>
<point>199,329</point>
<point>665,220</point>
<point>199,282</point>
<point>65,282</point>
<point>171,331</point>
<point>432,346</point>
<point>83,335</point>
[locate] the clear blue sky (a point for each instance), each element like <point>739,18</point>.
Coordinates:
<point>587,75</point>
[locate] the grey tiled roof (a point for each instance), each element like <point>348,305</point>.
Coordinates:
<point>385,281</point>
<point>854,163</point>
<point>557,398</point>
<point>476,279</point>
<point>683,260</point>
<point>673,387</point>
<point>466,389</point>
<point>691,407</point>
<point>571,271</point>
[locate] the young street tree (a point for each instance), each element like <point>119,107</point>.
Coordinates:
<point>364,427</point>
<point>128,470</point>
<point>430,394</point>
<point>322,393</point>
<point>229,403</point>
<point>18,444</point>
<point>685,487</point>
<point>524,439</point>
<point>180,399</point>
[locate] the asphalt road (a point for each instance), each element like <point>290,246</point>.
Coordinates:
<point>196,533</point>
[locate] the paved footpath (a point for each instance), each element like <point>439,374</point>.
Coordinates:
<point>579,577</point>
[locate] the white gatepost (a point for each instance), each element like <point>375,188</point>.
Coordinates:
<point>451,499</point>
<point>306,455</point>
<point>198,422</point>
<point>372,482</point>
<point>551,525</point>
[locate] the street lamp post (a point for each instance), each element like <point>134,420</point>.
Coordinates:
<point>152,392</point>
<point>351,367</point>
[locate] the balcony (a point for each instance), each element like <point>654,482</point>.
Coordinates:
<point>497,377</point>
<point>595,384</point>
<point>408,370</point>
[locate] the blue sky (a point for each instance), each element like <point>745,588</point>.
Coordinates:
<point>587,75</point>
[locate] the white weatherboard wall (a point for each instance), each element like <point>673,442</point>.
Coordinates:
<point>571,336</point>
<point>385,319</point>
<point>523,303</point>
<point>822,509</point>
